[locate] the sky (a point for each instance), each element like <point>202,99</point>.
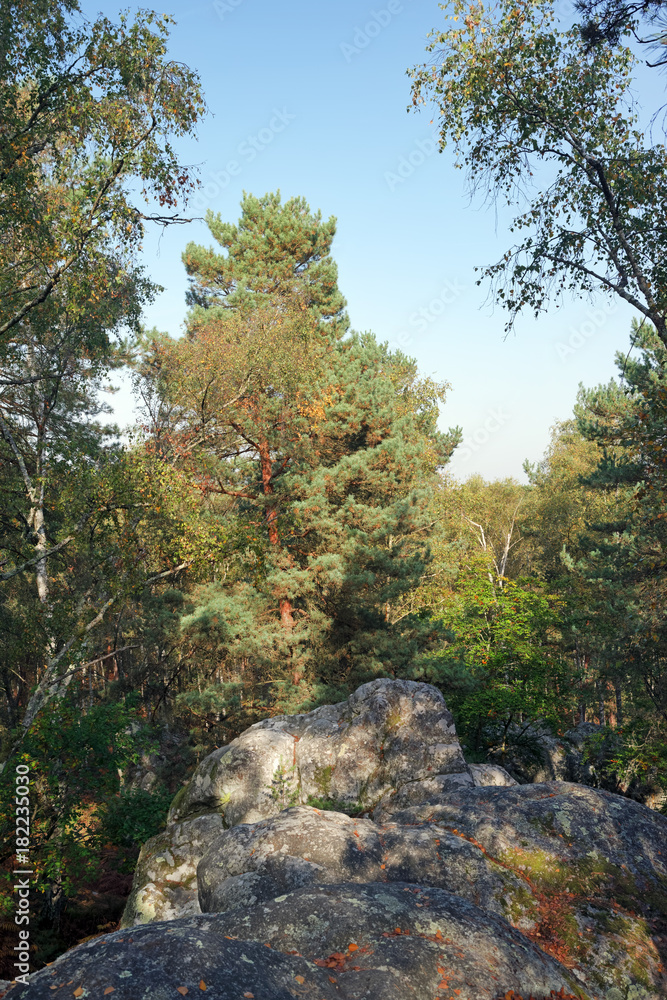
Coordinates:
<point>310,98</point>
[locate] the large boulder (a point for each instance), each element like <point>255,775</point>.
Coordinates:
<point>354,804</point>
<point>165,879</point>
<point>390,736</point>
<point>592,870</point>
<point>581,872</point>
<point>349,942</point>
<point>391,739</point>
<point>253,863</point>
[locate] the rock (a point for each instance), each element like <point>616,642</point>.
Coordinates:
<point>593,868</point>
<point>165,879</point>
<point>349,942</point>
<point>490,774</point>
<point>251,864</point>
<point>390,736</point>
<point>581,872</point>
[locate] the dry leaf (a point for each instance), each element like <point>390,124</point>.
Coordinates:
<point>300,979</point>
<point>182,990</point>
<point>202,984</point>
<point>249,995</point>
<point>352,947</point>
<point>78,991</point>
<point>109,989</point>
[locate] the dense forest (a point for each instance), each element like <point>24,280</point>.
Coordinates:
<point>281,525</point>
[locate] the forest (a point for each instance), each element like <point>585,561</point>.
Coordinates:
<point>281,524</point>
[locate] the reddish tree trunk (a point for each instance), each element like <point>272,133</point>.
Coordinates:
<point>286,612</point>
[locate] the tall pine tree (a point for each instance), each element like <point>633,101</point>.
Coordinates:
<point>320,449</point>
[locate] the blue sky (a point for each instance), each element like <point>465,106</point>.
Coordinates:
<point>310,98</point>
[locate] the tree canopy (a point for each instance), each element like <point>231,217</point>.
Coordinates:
<point>540,119</point>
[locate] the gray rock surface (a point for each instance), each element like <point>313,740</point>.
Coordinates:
<point>490,774</point>
<point>304,846</point>
<point>592,868</point>
<point>349,942</point>
<point>351,852</point>
<point>390,736</point>
<point>581,872</point>
<point>165,879</point>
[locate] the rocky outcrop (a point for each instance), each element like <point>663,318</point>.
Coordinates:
<point>388,737</point>
<point>348,942</point>
<point>165,879</point>
<point>391,739</point>
<point>303,846</point>
<point>374,863</point>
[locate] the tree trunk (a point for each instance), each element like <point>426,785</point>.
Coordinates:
<point>619,701</point>
<point>286,611</point>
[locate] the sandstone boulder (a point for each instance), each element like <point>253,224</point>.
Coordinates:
<point>390,736</point>
<point>592,868</point>
<point>304,846</point>
<point>490,774</point>
<point>581,872</point>
<point>165,879</point>
<point>349,942</point>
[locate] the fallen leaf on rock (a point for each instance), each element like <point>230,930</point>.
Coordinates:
<point>182,990</point>
<point>78,991</point>
<point>300,979</point>
<point>109,989</point>
<point>202,984</point>
<point>249,996</point>
<point>352,947</point>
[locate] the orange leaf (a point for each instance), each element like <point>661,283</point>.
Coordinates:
<point>331,979</point>
<point>109,989</point>
<point>78,991</point>
<point>300,979</point>
<point>383,866</point>
<point>202,984</point>
<point>352,947</point>
<point>249,995</point>
<point>182,990</point>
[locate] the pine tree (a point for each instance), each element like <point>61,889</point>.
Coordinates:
<point>275,252</point>
<point>320,450</point>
